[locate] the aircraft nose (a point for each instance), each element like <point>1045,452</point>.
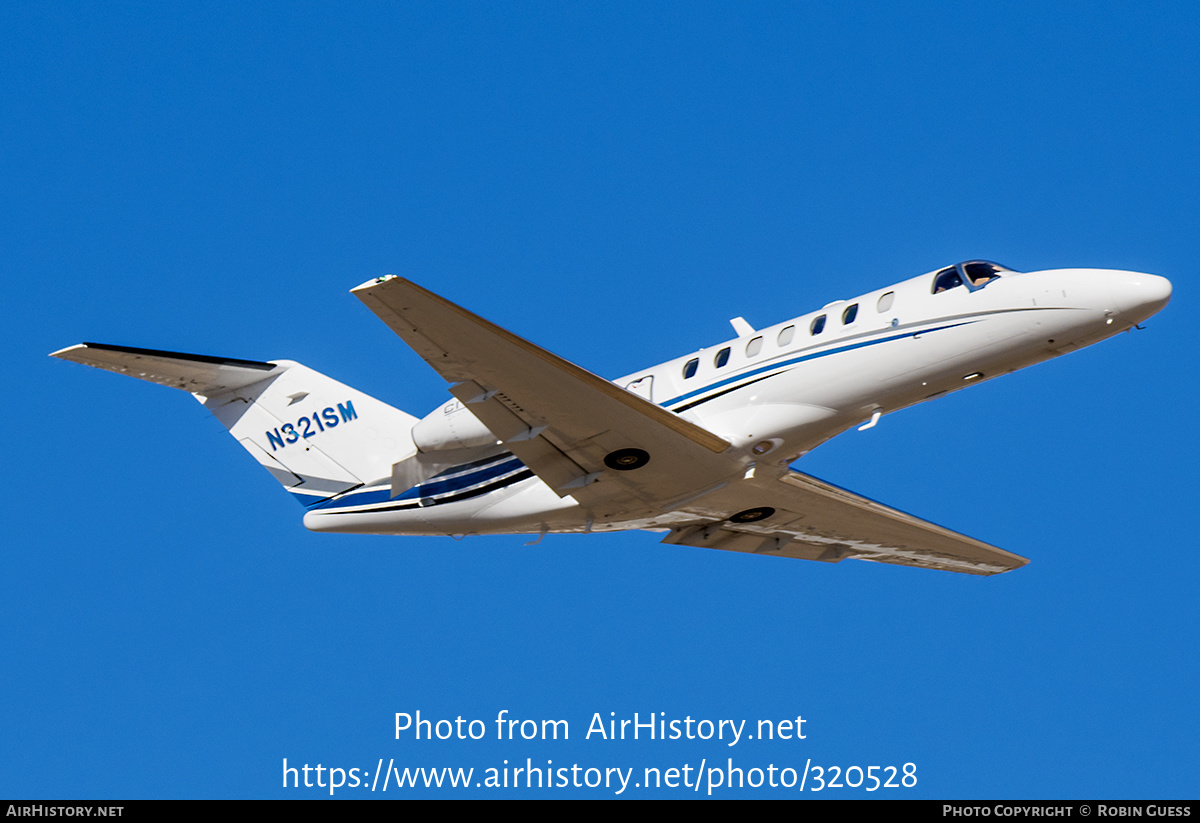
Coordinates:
<point>1139,295</point>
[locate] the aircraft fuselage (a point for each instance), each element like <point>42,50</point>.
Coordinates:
<point>776,393</point>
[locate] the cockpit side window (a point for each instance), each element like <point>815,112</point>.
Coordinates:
<point>946,279</point>
<point>975,273</point>
<point>689,368</point>
<point>980,272</point>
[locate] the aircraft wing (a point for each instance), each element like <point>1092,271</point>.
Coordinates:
<point>815,520</point>
<point>612,450</point>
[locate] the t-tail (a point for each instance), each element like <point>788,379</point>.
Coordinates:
<point>316,436</point>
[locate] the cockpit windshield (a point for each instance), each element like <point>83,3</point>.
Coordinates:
<point>974,273</point>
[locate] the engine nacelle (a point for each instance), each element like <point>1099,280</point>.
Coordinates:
<point>451,426</point>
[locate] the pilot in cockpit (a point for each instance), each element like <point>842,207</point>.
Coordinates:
<point>977,272</point>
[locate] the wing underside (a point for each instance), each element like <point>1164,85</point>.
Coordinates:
<point>802,517</point>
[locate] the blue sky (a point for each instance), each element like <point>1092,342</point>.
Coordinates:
<point>613,181</point>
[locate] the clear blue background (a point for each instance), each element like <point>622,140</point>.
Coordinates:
<point>613,181</point>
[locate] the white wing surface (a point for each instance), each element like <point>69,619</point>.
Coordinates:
<point>613,451</point>
<point>800,516</point>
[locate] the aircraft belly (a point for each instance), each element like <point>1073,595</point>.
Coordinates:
<point>795,423</point>
<point>407,521</point>
<point>526,507</point>
<point>924,355</point>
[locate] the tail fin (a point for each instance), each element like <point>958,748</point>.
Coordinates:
<point>316,436</point>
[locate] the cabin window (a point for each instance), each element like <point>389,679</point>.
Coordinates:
<point>945,280</point>
<point>689,368</point>
<point>754,347</point>
<point>885,302</point>
<point>722,357</point>
<point>849,314</point>
<point>818,325</point>
<point>785,335</point>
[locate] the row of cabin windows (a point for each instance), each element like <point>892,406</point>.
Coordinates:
<point>978,273</point>
<point>785,336</point>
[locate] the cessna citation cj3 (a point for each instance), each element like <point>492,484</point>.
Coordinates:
<point>698,447</point>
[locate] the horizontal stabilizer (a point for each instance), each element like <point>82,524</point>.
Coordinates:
<point>195,373</point>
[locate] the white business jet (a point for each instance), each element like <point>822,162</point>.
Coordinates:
<point>698,447</point>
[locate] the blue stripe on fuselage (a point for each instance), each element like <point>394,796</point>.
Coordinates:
<point>462,478</point>
<point>432,489</point>
<point>795,360</point>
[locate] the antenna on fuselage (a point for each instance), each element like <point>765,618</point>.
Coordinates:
<point>741,326</point>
